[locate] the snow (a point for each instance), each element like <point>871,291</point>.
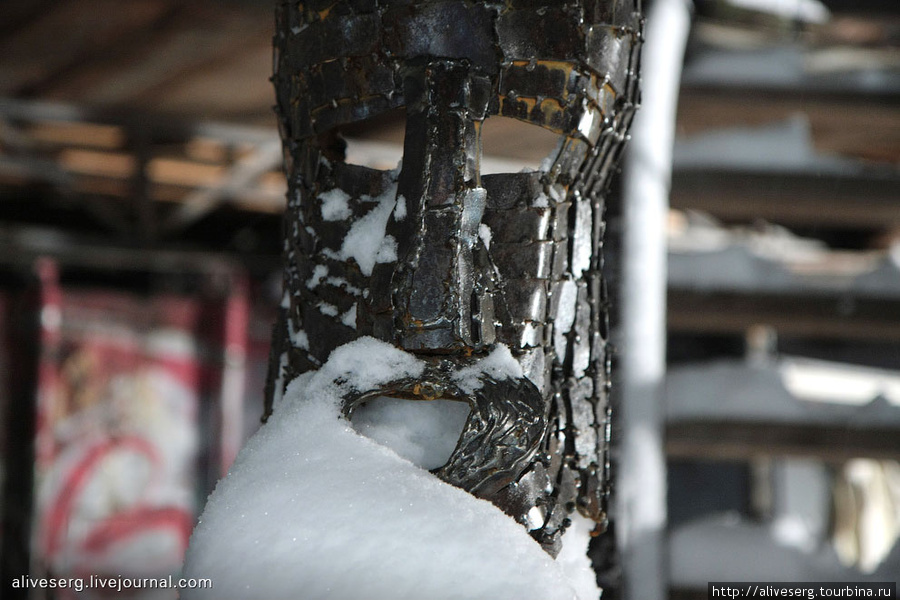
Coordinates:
<point>299,339</point>
<point>533,366</point>
<point>340,282</point>
<point>424,433</point>
<point>499,364</point>
<point>327,309</point>
<point>387,251</point>
<point>790,390</point>
<point>485,233</point>
<point>786,145</point>
<point>313,510</point>
<point>400,209</point>
<point>574,560</point>
<point>319,273</point>
<point>349,317</point>
<point>557,192</point>
<point>366,242</point>
<point>335,205</point>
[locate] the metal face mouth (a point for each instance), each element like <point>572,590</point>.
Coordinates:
<point>503,431</point>
<point>425,432</point>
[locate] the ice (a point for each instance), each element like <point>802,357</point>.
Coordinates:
<point>335,205</point>
<point>313,510</point>
<point>423,432</point>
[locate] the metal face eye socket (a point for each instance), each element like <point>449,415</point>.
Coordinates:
<point>425,432</point>
<point>534,148</point>
<point>375,142</point>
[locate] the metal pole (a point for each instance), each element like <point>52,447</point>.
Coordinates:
<point>641,490</point>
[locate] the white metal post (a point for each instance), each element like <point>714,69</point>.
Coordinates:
<point>641,487</point>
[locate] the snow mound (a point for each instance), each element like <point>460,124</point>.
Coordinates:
<point>313,510</point>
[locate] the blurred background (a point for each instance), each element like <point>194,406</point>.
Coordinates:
<point>140,200</point>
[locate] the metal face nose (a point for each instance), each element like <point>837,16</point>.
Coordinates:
<point>442,300</point>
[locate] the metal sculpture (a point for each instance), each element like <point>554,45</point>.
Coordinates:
<point>446,263</point>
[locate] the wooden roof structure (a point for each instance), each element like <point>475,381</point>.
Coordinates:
<point>156,113</point>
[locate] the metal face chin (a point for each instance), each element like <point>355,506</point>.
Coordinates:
<point>446,263</point>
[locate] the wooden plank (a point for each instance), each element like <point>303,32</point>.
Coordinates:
<point>730,440</point>
<point>200,37</point>
<point>17,14</point>
<point>867,201</point>
<point>77,134</point>
<point>801,316</point>
<point>116,165</point>
<point>858,126</point>
<point>70,33</point>
<point>101,173</point>
<point>241,175</point>
<point>232,86</point>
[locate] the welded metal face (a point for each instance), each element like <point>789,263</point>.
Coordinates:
<point>444,262</point>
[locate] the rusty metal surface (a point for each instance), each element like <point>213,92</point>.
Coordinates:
<point>466,261</point>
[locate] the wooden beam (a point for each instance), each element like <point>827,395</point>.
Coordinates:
<point>69,34</point>
<point>730,440</point>
<point>827,317</point>
<point>241,174</point>
<point>867,127</point>
<point>17,14</point>
<point>235,85</point>
<point>178,129</point>
<point>115,165</point>
<point>77,134</point>
<point>148,72</point>
<point>865,200</point>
